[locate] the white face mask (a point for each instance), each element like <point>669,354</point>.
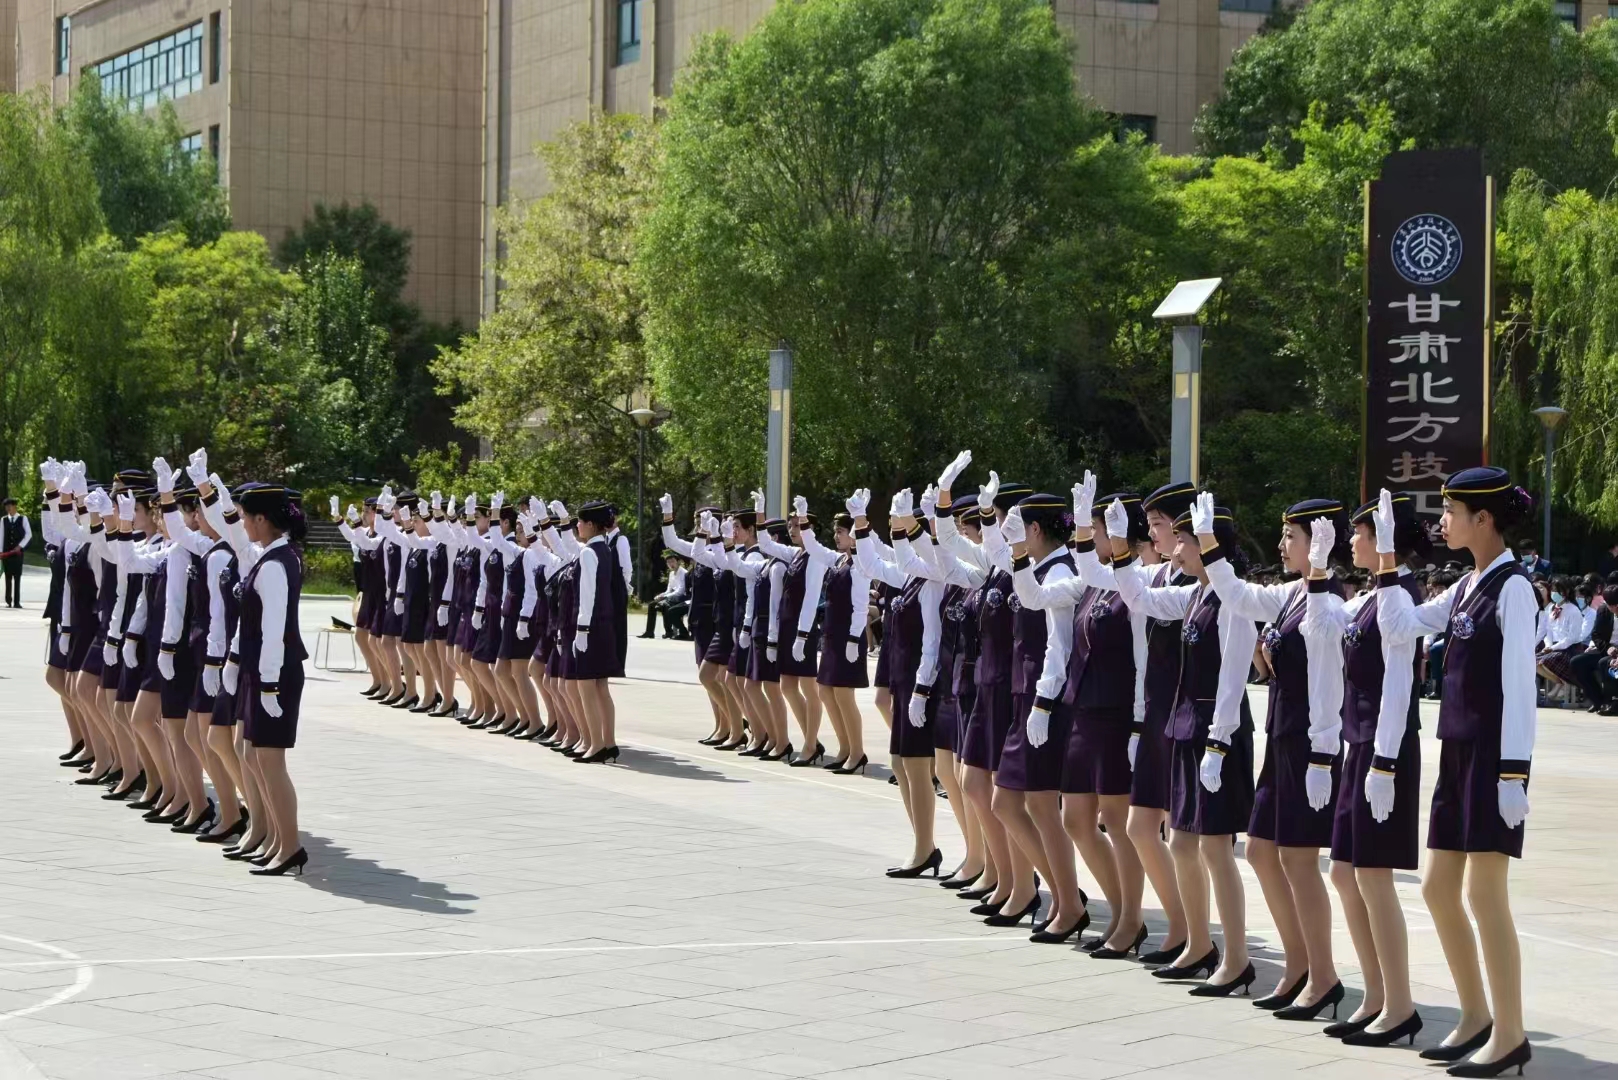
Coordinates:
<point>1528,556</point>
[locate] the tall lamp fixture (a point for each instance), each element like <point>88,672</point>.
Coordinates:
<point>645,420</point>
<point>1550,417</point>
<point>1181,307</point>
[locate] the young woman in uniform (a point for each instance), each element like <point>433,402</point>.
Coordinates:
<point>590,630</point>
<point>842,667</point>
<point>1486,728</point>
<point>798,628</point>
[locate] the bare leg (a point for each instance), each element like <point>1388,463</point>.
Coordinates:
<point>884,705</point>
<point>853,725</point>
<point>1441,888</point>
<point>373,658</point>
<point>608,712</point>
<point>1219,856</point>
<point>944,768</point>
<point>780,738</point>
<point>56,679</point>
<point>1346,883</point>
<point>1490,900</point>
<point>916,775</point>
<point>1192,877</point>
<point>187,768</point>
<point>710,676</point>
<point>1080,816</point>
<point>199,733</point>
<point>283,800</point>
<point>828,698</point>
<point>1387,925</point>
<point>147,725</point>
<point>1313,906</point>
<point>1146,835</point>
<point>1011,808</point>
<point>978,787</point>
<point>1265,859</point>
<point>1045,808</point>
<point>261,826</point>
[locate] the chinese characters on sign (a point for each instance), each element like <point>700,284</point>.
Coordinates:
<point>1429,247</point>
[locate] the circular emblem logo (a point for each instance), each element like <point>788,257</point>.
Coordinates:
<point>1189,633</point>
<point>236,590</point>
<point>995,598</point>
<point>1016,604</point>
<point>1099,610</point>
<point>1353,636</point>
<point>1272,638</point>
<point>1461,626</point>
<point>955,612</point>
<point>1426,249</point>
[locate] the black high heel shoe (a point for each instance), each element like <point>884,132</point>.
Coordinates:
<point>469,719</point>
<point>1517,1058</point>
<point>151,802</point>
<point>78,763</point>
<point>1309,1012</point>
<point>1166,955</point>
<point>238,829</point>
<point>389,699</point>
<point>447,709</point>
<point>732,747</point>
<point>755,751</point>
<point>174,817</point>
<point>1285,997</point>
<point>801,762</point>
<point>426,707</point>
<point>202,822</point>
<point>408,703</point>
<point>933,862</point>
<point>120,796</point>
<point>1406,1028</point>
<point>712,740</point>
<point>846,769</point>
<point>73,753</point>
<point>1240,982</point>
<point>1458,1050</point>
<point>241,853</point>
<point>299,860</point>
<point>1030,912</point>
<point>1204,967</point>
<point>606,753</point>
<point>784,755</point>
<point>1044,936</point>
<point>990,906</point>
<point>1104,953</point>
<point>956,881</point>
<point>982,892</point>
<point>488,722</point>
<point>1344,1028</point>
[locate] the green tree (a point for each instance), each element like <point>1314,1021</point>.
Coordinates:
<point>147,182</point>
<point>878,182</point>
<point>1504,75</point>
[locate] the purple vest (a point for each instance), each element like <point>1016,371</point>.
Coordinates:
<point>951,613</point>
<point>81,578</point>
<point>839,602</point>
<point>1289,659</point>
<point>724,602</point>
<point>1101,669</point>
<point>1473,698</point>
<point>606,573</point>
<point>995,630</point>
<point>1029,634</point>
<point>793,586</point>
<point>1363,670</point>
<point>962,626</point>
<point>1163,655</point>
<point>252,613</point>
<point>1199,672</point>
<point>391,554</point>
<point>437,575</point>
<point>201,617</point>
<point>904,636</point>
<point>739,598</point>
<point>702,587</point>
<point>516,584</point>
<point>761,606</point>
<point>157,587</point>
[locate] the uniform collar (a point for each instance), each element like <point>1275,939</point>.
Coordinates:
<point>1055,553</point>
<point>279,541</point>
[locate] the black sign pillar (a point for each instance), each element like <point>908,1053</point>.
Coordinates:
<point>1429,323</point>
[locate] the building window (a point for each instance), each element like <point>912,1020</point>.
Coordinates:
<point>216,43</point>
<point>629,12</point>
<point>1126,124</point>
<point>161,70</point>
<point>64,44</point>
<point>191,145</point>
<point>1568,12</point>
<point>1259,7</point>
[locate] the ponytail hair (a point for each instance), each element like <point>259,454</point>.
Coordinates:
<point>1490,488</point>
<point>289,519</point>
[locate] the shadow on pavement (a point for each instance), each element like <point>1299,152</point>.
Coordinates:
<point>650,761</point>
<point>332,869</point>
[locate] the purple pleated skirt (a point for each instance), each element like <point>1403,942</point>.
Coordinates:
<point>1024,767</point>
<point>1154,763</point>
<point>1097,756</point>
<point>809,666</point>
<point>760,668</point>
<point>984,734</point>
<point>835,669</point>
<point>177,692</point>
<point>1195,809</point>
<point>906,739</point>
<point>1465,814</point>
<point>1281,811</point>
<point>946,723</point>
<point>1359,839</point>
<point>55,657</point>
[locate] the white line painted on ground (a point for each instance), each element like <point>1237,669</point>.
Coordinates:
<point>81,979</point>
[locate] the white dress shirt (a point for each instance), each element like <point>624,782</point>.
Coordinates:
<point>1326,618</point>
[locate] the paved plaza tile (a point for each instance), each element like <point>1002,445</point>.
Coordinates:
<point>476,907</point>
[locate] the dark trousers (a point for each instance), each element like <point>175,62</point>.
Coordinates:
<point>13,567</point>
<point>673,618</point>
<point>1589,671</point>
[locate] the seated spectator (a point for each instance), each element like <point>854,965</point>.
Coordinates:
<point>1592,669</point>
<point>1532,561</point>
<point>1567,632</point>
<point>672,602</point>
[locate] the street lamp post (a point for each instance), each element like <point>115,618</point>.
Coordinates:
<point>778,451</point>
<point>1550,417</point>
<point>644,419</point>
<point>1181,307</point>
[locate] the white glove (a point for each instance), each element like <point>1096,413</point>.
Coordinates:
<point>47,473</point>
<point>437,501</point>
<point>727,529</point>
<point>770,653</point>
<point>1322,538</point>
<point>164,475</point>
<point>904,503</point>
<point>226,503</point>
<point>398,605</point>
<point>797,649</point>
<point>929,502</point>
<point>210,681</point>
<point>453,508</point>
<point>1134,748</point>
<point>1039,727</point>
<point>581,641</point>
<point>1013,528</point>
<point>270,703</point>
<point>952,472</point>
<point>1084,499</point>
<point>1202,517</point>
<point>665,503</point>
<point>850,650</point>
<point>470,507</point>
<point>196,467</point>
<point>758,503</point>
<point>232,675</point>
<point>99,504</point>
<point>126,507</point>
<point>353,514</point>
<point>77,479</point>
<point>558,511</point>
<point>529,524</point>
<point>522,629</point>
<point>165,665</point>
<point>1379,793</point>
<point>708,524</point>
<point>917,711</point>
<point>496,501</point>
<point>856,503</point>
<point>404,514</point>
<point>800,506</point>
<point>1212,763</point>
<point>385,501</point>
<point>987,492</point>
<point>745,639</point>
<point>1382,519</point>
<point>130,658</point>
<point>1513,802</point>
<point>1117,520</point>
<point>477,620</point>
<point>64,642</point>
<point>109,654</point>
<point>443,614</point>
<point>1317,786</point>
<point>336,507</point>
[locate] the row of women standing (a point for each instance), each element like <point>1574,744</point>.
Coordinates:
<point>523,606</point>
<point>1078,671</point>
<point>174,647</point>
